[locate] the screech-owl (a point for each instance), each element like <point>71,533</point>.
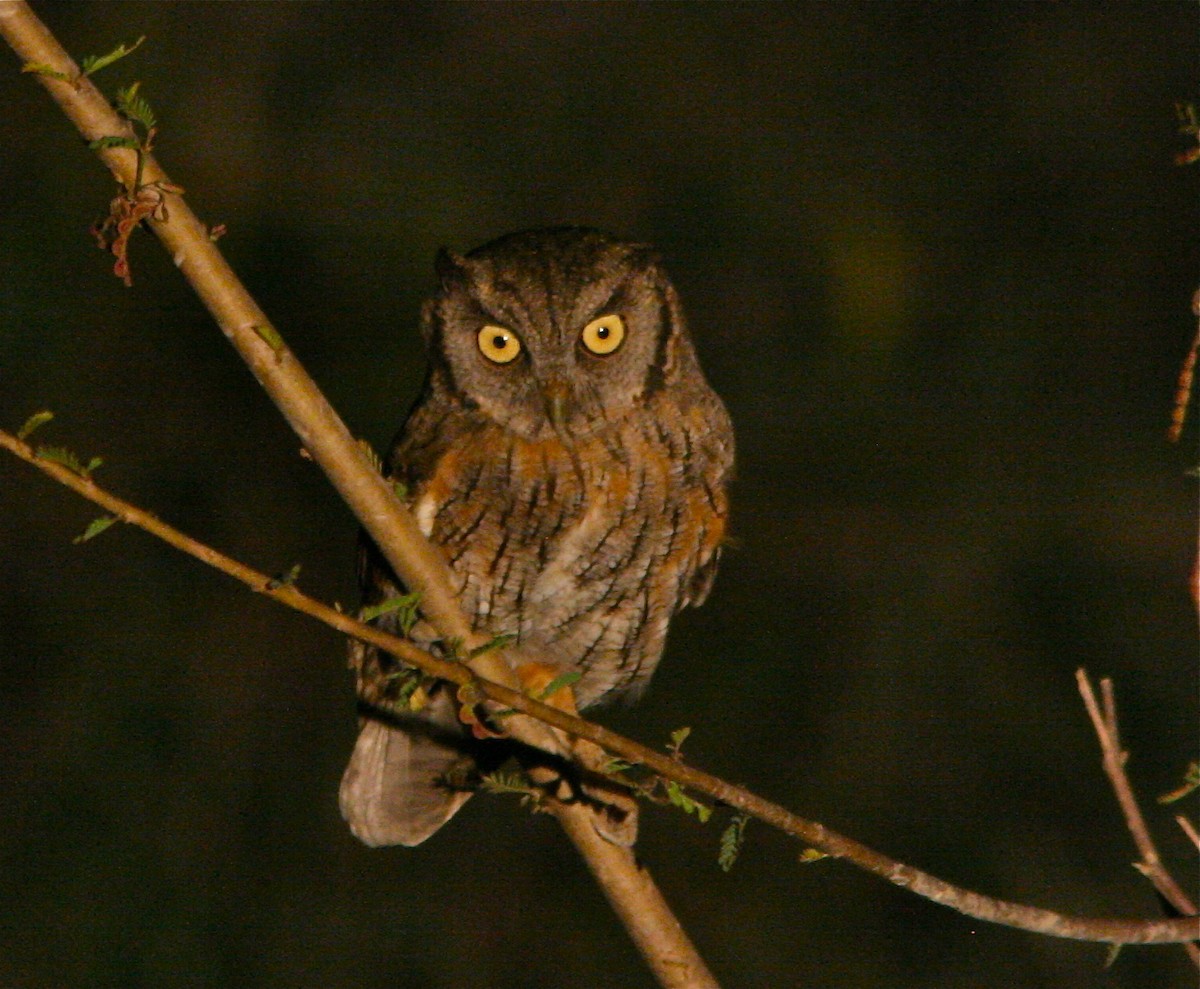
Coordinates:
<point>571,461</point>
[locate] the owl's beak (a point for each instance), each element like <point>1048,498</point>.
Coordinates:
<point>557,395</point>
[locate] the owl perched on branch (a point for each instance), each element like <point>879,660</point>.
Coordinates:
<point>571,461</point>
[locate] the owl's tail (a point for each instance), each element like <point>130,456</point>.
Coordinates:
<point>394,790</point>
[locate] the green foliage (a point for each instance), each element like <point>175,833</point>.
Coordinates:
<point>615,767</point>
<point>557,684</point>
<point>678,737</point>
<point>507,782</point>
<point>410,686</point>
<point>497,642</point>
<point>66,458</point>
<point>731,841</point>
<point>42,69</point>
<point>810,855</point>
<point>406,607</point>
<point>35,421</point>
<point>114,142</point>
<point>94,529</point>
<point>133,106</point>
<point>94,63</point>
<point>679,798</point>
<point>400,490</point>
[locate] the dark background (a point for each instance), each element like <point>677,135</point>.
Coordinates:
<point>938,262</point>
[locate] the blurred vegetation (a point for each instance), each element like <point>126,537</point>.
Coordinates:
<point>938,262</point>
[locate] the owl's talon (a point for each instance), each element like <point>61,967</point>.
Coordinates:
<point>616,820</point>
<point>472,714</point>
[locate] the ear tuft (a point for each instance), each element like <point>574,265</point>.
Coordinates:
<point>450,267</point>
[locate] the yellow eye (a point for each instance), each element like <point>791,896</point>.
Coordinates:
<point>604,335</point>
<point>498,345</point>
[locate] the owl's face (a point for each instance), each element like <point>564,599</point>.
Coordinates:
<point>557,331</point>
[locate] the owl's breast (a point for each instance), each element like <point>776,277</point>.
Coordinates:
<point>584,553</point>
<point>497,504</point>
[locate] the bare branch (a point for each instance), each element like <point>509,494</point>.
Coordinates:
<point>610,863</point>
<point>1114,757</point>
<point>1188,829</point>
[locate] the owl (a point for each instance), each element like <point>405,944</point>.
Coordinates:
<point>571,462</point>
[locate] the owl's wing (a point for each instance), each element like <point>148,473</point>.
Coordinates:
<point>711,472</point>
<point>696,592</point>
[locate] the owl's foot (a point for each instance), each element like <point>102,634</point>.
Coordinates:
<point>614,810</point>
<point>536,678</point>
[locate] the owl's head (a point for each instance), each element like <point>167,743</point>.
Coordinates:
<point>557,331</point>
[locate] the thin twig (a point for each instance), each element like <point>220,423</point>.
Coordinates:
<point>1183,388</point>
<point>607,860</point>
<point>1114,757</point>
<point>1188,829</point>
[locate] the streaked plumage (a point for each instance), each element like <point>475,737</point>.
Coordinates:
<point>579,493</point>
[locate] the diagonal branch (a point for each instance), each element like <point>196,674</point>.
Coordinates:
<point>607,859</point>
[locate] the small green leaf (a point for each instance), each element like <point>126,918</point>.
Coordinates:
<point>96,527</point>
<point>405,606</point>
<point>731,842</point>
<point>1111,955</point>
<point>132,105</point>
<point>678,737</point>
<point>557,684</point>
<point>412,688</point>
<point>66,458</point>
<point>410,615</point>
<point>60,455</point>
<point>35,421</point>
<point>284,579</point>
<point>114,142</point>
<point>400,490</point>
<point>679,798</point>
<point>373,611</point>
<point>42,69</point>
<point>94,63</point>
<point>614,767</point>
<point>270,336</point>
<point>810,855</point>
<point>497,642</point>
<point>502,782</point>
